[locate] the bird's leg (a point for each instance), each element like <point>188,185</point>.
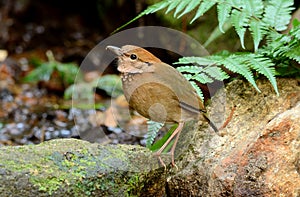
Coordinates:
<point>180,126</point>
<point>177,131</point>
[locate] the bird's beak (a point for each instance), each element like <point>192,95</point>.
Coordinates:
<point>116,50</point>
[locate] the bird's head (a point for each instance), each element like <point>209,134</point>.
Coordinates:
<point>133,59</point>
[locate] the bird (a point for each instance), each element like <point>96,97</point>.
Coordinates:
<point>158,91</point>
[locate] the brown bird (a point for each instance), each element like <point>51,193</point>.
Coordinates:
<point>157,91</point>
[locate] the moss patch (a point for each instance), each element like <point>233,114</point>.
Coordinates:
<point>78,168</point>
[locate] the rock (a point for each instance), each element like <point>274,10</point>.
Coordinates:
<point>70,167</point>
<point>258,154</point>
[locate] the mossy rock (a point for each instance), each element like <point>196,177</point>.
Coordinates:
<point>70,167</point>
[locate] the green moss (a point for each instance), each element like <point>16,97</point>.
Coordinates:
<point>133,183</point>
<point>76,167</point>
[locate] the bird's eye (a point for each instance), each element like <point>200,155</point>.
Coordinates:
<point>133,56</point>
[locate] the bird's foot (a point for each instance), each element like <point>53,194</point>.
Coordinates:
<point>173,160</point>
<point>160,160</point>
<point>163,163</point>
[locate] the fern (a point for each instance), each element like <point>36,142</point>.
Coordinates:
<point>281,46</point>
<point>203,7</point>
<point>293,53</point>
<point>198,90</point>
<point>278,14</point>
<point>240,20</point>
<point>240,63</point>
<point>224,10</point>
<point>200,73</point>
<point>153,128</point>
<point>263,66</point>
<point>256,16</point>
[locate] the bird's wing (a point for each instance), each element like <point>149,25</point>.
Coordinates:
<point>187,96</point>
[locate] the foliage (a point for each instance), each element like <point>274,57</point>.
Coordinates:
<point>257,16</point>
<point>204,72</point>
<point>44,71</point>
<point>111,84</point>
<point>159,143</point>
<point>283,49</point>
<point>153,128</point>
<point>207,68</point>
<point>263,19</point>
<point>275,58</point>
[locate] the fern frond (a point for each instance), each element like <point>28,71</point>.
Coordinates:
<point>198,90</point>
<point>295,31</point>
<point>153,128</point>
<point>203,7</point>
<point>202,74</point>
<point>274,41</point>
<point>278,14</point>
<point>293,53</point>
<point>263,66</point>
<point>240,21</point>
<point>257,30</point>
<point>192,5</point>
<point>236,64</point>
<point>190,69</point>
<point>180,7</point>
<point>216,72</point>
<point>254,8</point>
<point>188,76</point>
<point>173,4</point>
<point>198,60</point>
<point>224,10</point>
<point>202,78</point>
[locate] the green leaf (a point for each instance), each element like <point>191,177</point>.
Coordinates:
<point>190,69</point>
<point>161,141</point>
<point>294,53</point>
<point>240,21</point>
<point>111,84</point>
<point>192,5</point>
<point>180,7</point>
<point>295,31</point>
<point>172,5</point>
<point>263,66</point>
<point>256,29</point>
<point>198,90</point>
<point>224,10</point>
<point>278,13</point>
<point>216,72</point>
<point>41,73</point>
<point>198,60</point>
<point>188,76</point>
<point>236,64</point>
<point>254,7</point>
<point>153,128</point>
<point>68,72</point>
<point>203,7</point>
<point>202,78</point>
<point>80,91</point>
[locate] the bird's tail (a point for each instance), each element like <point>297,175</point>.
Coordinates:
<point>198,111</point>
<point>211,123</point>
